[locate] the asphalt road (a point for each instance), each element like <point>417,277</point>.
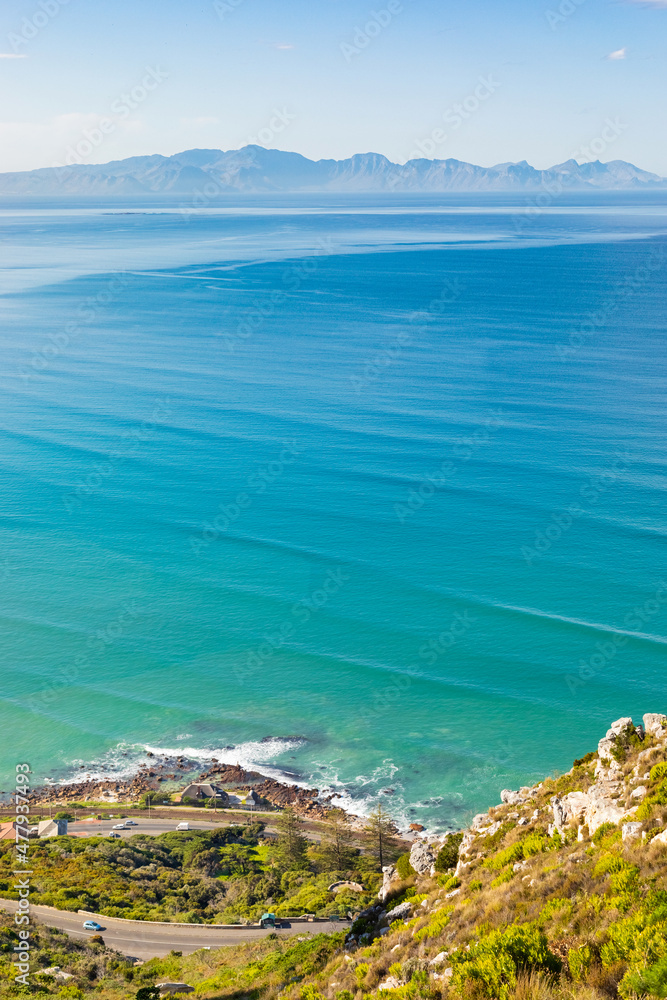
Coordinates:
<point>143,940</point>
<point>152,828</point>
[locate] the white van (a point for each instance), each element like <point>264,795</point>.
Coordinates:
<point>183,826</point>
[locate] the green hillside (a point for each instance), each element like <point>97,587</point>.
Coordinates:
<point>559,892</point>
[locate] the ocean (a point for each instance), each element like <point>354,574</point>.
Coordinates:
<point>366,492</point>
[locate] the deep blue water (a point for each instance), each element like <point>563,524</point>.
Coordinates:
<point>386,477</point>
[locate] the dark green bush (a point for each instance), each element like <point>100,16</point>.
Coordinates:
<point>404,868</point>
<point>449,852</point>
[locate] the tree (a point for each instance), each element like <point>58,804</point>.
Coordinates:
<point>336,851</point>
<point>380,830</point>
<point>290,853</point>
<point>449,852</point>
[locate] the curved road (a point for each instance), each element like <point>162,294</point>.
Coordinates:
<point>137,939</point>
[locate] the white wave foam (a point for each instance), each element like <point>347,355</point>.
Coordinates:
<point>123,761</point>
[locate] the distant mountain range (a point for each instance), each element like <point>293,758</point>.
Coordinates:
<point>207,173</point>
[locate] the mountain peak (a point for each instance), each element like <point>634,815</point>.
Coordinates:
<point>255,168</point>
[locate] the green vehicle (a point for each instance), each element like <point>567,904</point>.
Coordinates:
<point>269,920</point>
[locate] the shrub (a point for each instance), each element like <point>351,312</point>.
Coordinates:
<point>579,960</point>
<point>475,885</point>
<point>449,852</point>
<point>505,876</point>
<point>360,972</point>
<point>602,832</point>
<point>310,992</point>
<point>492,964</point>
<point>453,882</point>
<point>436,925</point>
<point>498,861</point>
<point>534,844</point>
<point>651,981</point>
<point>586,759</point>
<point>404,868</point>
<point>659,771</point>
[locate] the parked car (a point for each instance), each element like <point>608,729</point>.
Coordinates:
<point>92,925</point>
<point>119,826</point>
<point>183,826</point>
<point>116,836</point>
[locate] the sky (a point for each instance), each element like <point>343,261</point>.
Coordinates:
<point>486,81</point>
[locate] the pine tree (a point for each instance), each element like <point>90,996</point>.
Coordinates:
<point>336,851</point>
<point>290,853</point>
<point>380,829</point>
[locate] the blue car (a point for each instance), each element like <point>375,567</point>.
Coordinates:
<point>92,925</point>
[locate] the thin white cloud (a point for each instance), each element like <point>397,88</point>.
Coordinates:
<point>618,54</point>
<point>12,55</point>
<point>282,45</point>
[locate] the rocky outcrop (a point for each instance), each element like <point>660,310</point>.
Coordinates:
<point>422,858</point>
<point>524,794</point>
<point>401,912</point>
<point>568,809</point>
<point>655,724</point>
<point>604,805</point>
<point>609,743</point>
<point>630,831</point>
<point>389,877</point>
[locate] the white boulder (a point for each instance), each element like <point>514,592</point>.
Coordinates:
<point>653,723</point>
<point>422,858</point>
<point>569,809</point>
<point>400,912</point>
<point>390,983</point>
<point>630,831</point>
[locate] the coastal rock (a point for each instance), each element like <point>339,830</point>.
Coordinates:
<point>620,726</point>
<point>661,838</point>
<point>602,807</point>
<point>422,858</point>
<point>480,820</point>
<point>439,958</point>
<point>389,875</point>
<point>639,792</point>
<point>569,808</point>
<point>607,744</point>
<point>511,798</point>
<point>655,724</point>
<point>630,831</point>
<point>390,983</point>
<point>400,912</point>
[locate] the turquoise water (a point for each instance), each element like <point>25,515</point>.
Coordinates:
<point>366,493</point>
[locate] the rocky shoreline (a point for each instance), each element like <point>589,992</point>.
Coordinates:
<point>165,772</point>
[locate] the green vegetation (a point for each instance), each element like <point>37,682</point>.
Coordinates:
<point>449,852</point>
<point>227,875</point>
<point>529,916</point>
